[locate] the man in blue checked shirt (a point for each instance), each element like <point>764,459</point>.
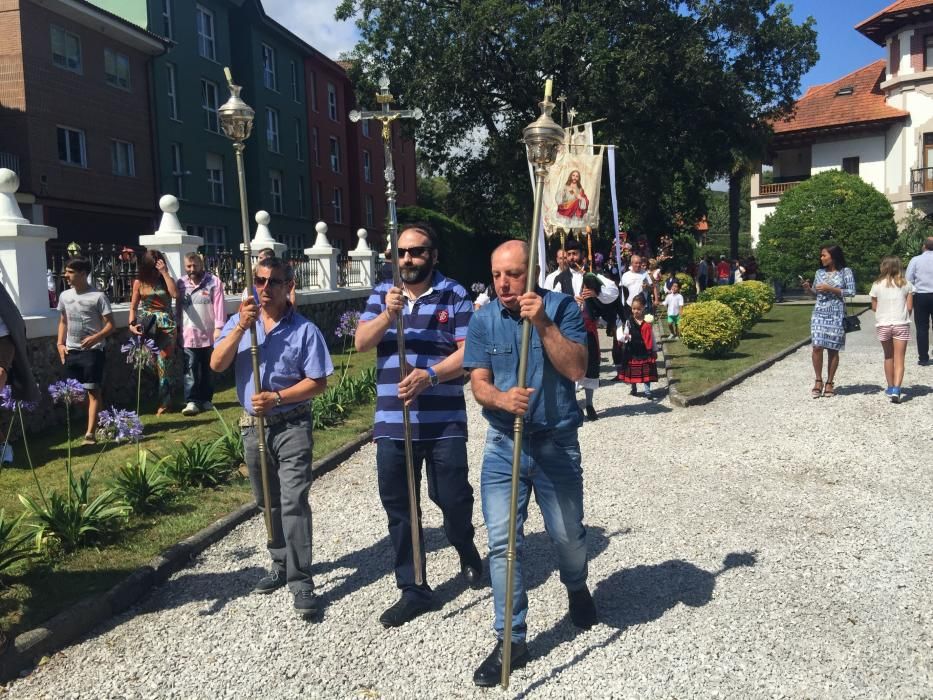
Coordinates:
<point>550,467</point>
<point>293,365</point>
<point>436,313</point>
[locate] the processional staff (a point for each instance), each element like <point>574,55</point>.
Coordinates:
<point>386,116</point>
<point>542,138</point>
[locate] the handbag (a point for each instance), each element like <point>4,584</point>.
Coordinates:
<point>850,324</point>
<point>148,328</point>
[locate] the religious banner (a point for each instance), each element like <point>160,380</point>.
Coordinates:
<point>571,192</point>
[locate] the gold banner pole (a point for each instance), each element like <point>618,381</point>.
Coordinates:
<point>542,138</point>
<point>386,116</point>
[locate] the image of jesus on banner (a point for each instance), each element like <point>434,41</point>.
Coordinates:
<point>572,201</point>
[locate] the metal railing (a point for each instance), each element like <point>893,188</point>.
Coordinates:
<point>921,180</point>
<point>350,272</point>
<point>113,268</point>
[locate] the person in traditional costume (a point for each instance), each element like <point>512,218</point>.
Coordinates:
<point>596,298</point>
<point>639,350</point>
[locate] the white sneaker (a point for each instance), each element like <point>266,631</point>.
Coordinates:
<point>207,406</point>
<point>190,409</point>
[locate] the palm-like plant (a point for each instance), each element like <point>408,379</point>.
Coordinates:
<point>143,484</point>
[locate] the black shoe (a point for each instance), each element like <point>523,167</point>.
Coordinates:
<point>307,603</point>
<point>923,363</point>
<point>272,581</point>
<point>582,608</point>
<point>634,390</point>
<point>591,413</point>
<point>471,568</point>
<point>489,672</point>
<point>405,610</point>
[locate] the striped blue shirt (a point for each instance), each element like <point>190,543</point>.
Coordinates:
<point>434,325</point>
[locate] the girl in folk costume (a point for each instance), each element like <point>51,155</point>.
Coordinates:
<point>639,350</point>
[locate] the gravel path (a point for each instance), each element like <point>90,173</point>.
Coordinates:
<point>766,545</point>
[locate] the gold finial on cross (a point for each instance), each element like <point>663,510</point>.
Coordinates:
<point>386,115</point>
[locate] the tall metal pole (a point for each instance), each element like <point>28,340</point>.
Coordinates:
<point>542,139</point>
<point>386,116</point>
<point>236,119</point>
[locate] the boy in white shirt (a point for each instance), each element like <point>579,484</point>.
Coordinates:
<point>674,302</point>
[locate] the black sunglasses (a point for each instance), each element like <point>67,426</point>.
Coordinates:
<point>259,281</point>
<point>418,251</point>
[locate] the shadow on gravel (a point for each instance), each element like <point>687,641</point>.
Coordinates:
<point>634,597</point>
<point>646,408</point>
<point>858,389</point>
<point>915,392</point>
<point>218,589</point>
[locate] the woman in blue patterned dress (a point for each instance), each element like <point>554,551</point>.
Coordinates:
<point>831,284</point>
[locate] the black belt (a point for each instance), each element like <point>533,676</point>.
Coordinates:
<point>248,420</point>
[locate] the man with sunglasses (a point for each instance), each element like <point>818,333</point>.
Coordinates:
<point>293,365</point>
<point>436,312</point>
<point>200,316</point>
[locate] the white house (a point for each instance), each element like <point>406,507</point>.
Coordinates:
<point>876,122</point>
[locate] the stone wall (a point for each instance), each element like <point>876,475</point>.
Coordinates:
<point>322,308</point>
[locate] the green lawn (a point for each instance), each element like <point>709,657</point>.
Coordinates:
<point>779,329</point>
<point>32,594</point>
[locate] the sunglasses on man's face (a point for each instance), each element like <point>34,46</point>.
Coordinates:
<point>259,281</point>
<point>418,251</point>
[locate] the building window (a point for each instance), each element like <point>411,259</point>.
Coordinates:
<point>294,71</point>
<point>319,200</point>
<point>209,105</point>
<point>366,128</point>
<point>122,158</point>
<point>178,171</point>
<point>215,238</point>
<point>312,79</point>
<point>299,146</point>
<point>927,52</point>
<point>370,208</point>
<point>301,196</point>
<point>275,188</point>
<point>71,149</point>
<point>116,69</point>
<point>205,20</point>
<point>338,205</point>
<point>332,101</point>
<point>272,130</point>
<point>167,30</point>
<point>315,150</point>
<point>172,91</point>
<point>215,178</point>
<point>367,167</point>
<point>850,165</point>
<point>268,68</point>
<point>66,49</point>
<point>334,155</point>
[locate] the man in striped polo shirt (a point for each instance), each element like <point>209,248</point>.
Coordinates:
<point>436,312</point>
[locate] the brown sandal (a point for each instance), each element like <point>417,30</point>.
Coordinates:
<point>828,389</point>
<point>817,390</point>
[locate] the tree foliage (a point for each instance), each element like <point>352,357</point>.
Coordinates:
<point>683,85</point>
<point>830,207</point>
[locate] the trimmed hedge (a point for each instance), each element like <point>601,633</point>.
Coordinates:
<point>742,302</point>
<point>763,294</point>
<point>710,327</point>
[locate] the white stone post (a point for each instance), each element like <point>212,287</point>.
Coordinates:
<point>171,239</point>
<point>23,267</point>
<point>263,237</point>
<point>327,255</point>
<point>364,256</point>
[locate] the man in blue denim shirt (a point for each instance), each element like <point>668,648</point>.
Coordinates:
<point>551,453</point>
<point>293,367</point>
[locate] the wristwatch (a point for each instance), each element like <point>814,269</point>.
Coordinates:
<point>278,399</point>
<point>432,375</point>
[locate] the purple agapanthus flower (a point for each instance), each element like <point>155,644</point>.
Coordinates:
<point>8,403</point>
<point>346,328</point>
<point>140,352</point>
<point>68,392</point>
<point>120,425</point>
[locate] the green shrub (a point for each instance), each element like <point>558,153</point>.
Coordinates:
<point>832,206</point>
<point>762,293</point>
<point>198,464</point>
<point>710,327</point>
<point>12,542</point>
<point>688,287</point>
<point>331,407</point>
<point>740,300</point>
<point>230,443</point>
<point>143,484</point>
<point>914,229</point>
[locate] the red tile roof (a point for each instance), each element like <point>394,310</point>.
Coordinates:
<point>881,24</point>
<point>822,108</point>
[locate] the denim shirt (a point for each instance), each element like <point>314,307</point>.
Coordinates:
<point>494,342</point>
<point>293,350</point>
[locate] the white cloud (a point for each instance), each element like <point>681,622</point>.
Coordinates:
<point>313,21</point>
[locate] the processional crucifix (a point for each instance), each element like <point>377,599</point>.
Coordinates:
<point>386,116</point>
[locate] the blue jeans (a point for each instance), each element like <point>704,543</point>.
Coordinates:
<point>550,467</point>
<point>448,487</point>
<point>198,386</point>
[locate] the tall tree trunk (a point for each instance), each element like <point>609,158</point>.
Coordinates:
<point>735,202</point>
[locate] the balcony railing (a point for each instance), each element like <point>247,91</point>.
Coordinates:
<point>921,181</point>
<point>776,188</point>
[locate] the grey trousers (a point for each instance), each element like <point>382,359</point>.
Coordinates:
<point>288,455</point>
